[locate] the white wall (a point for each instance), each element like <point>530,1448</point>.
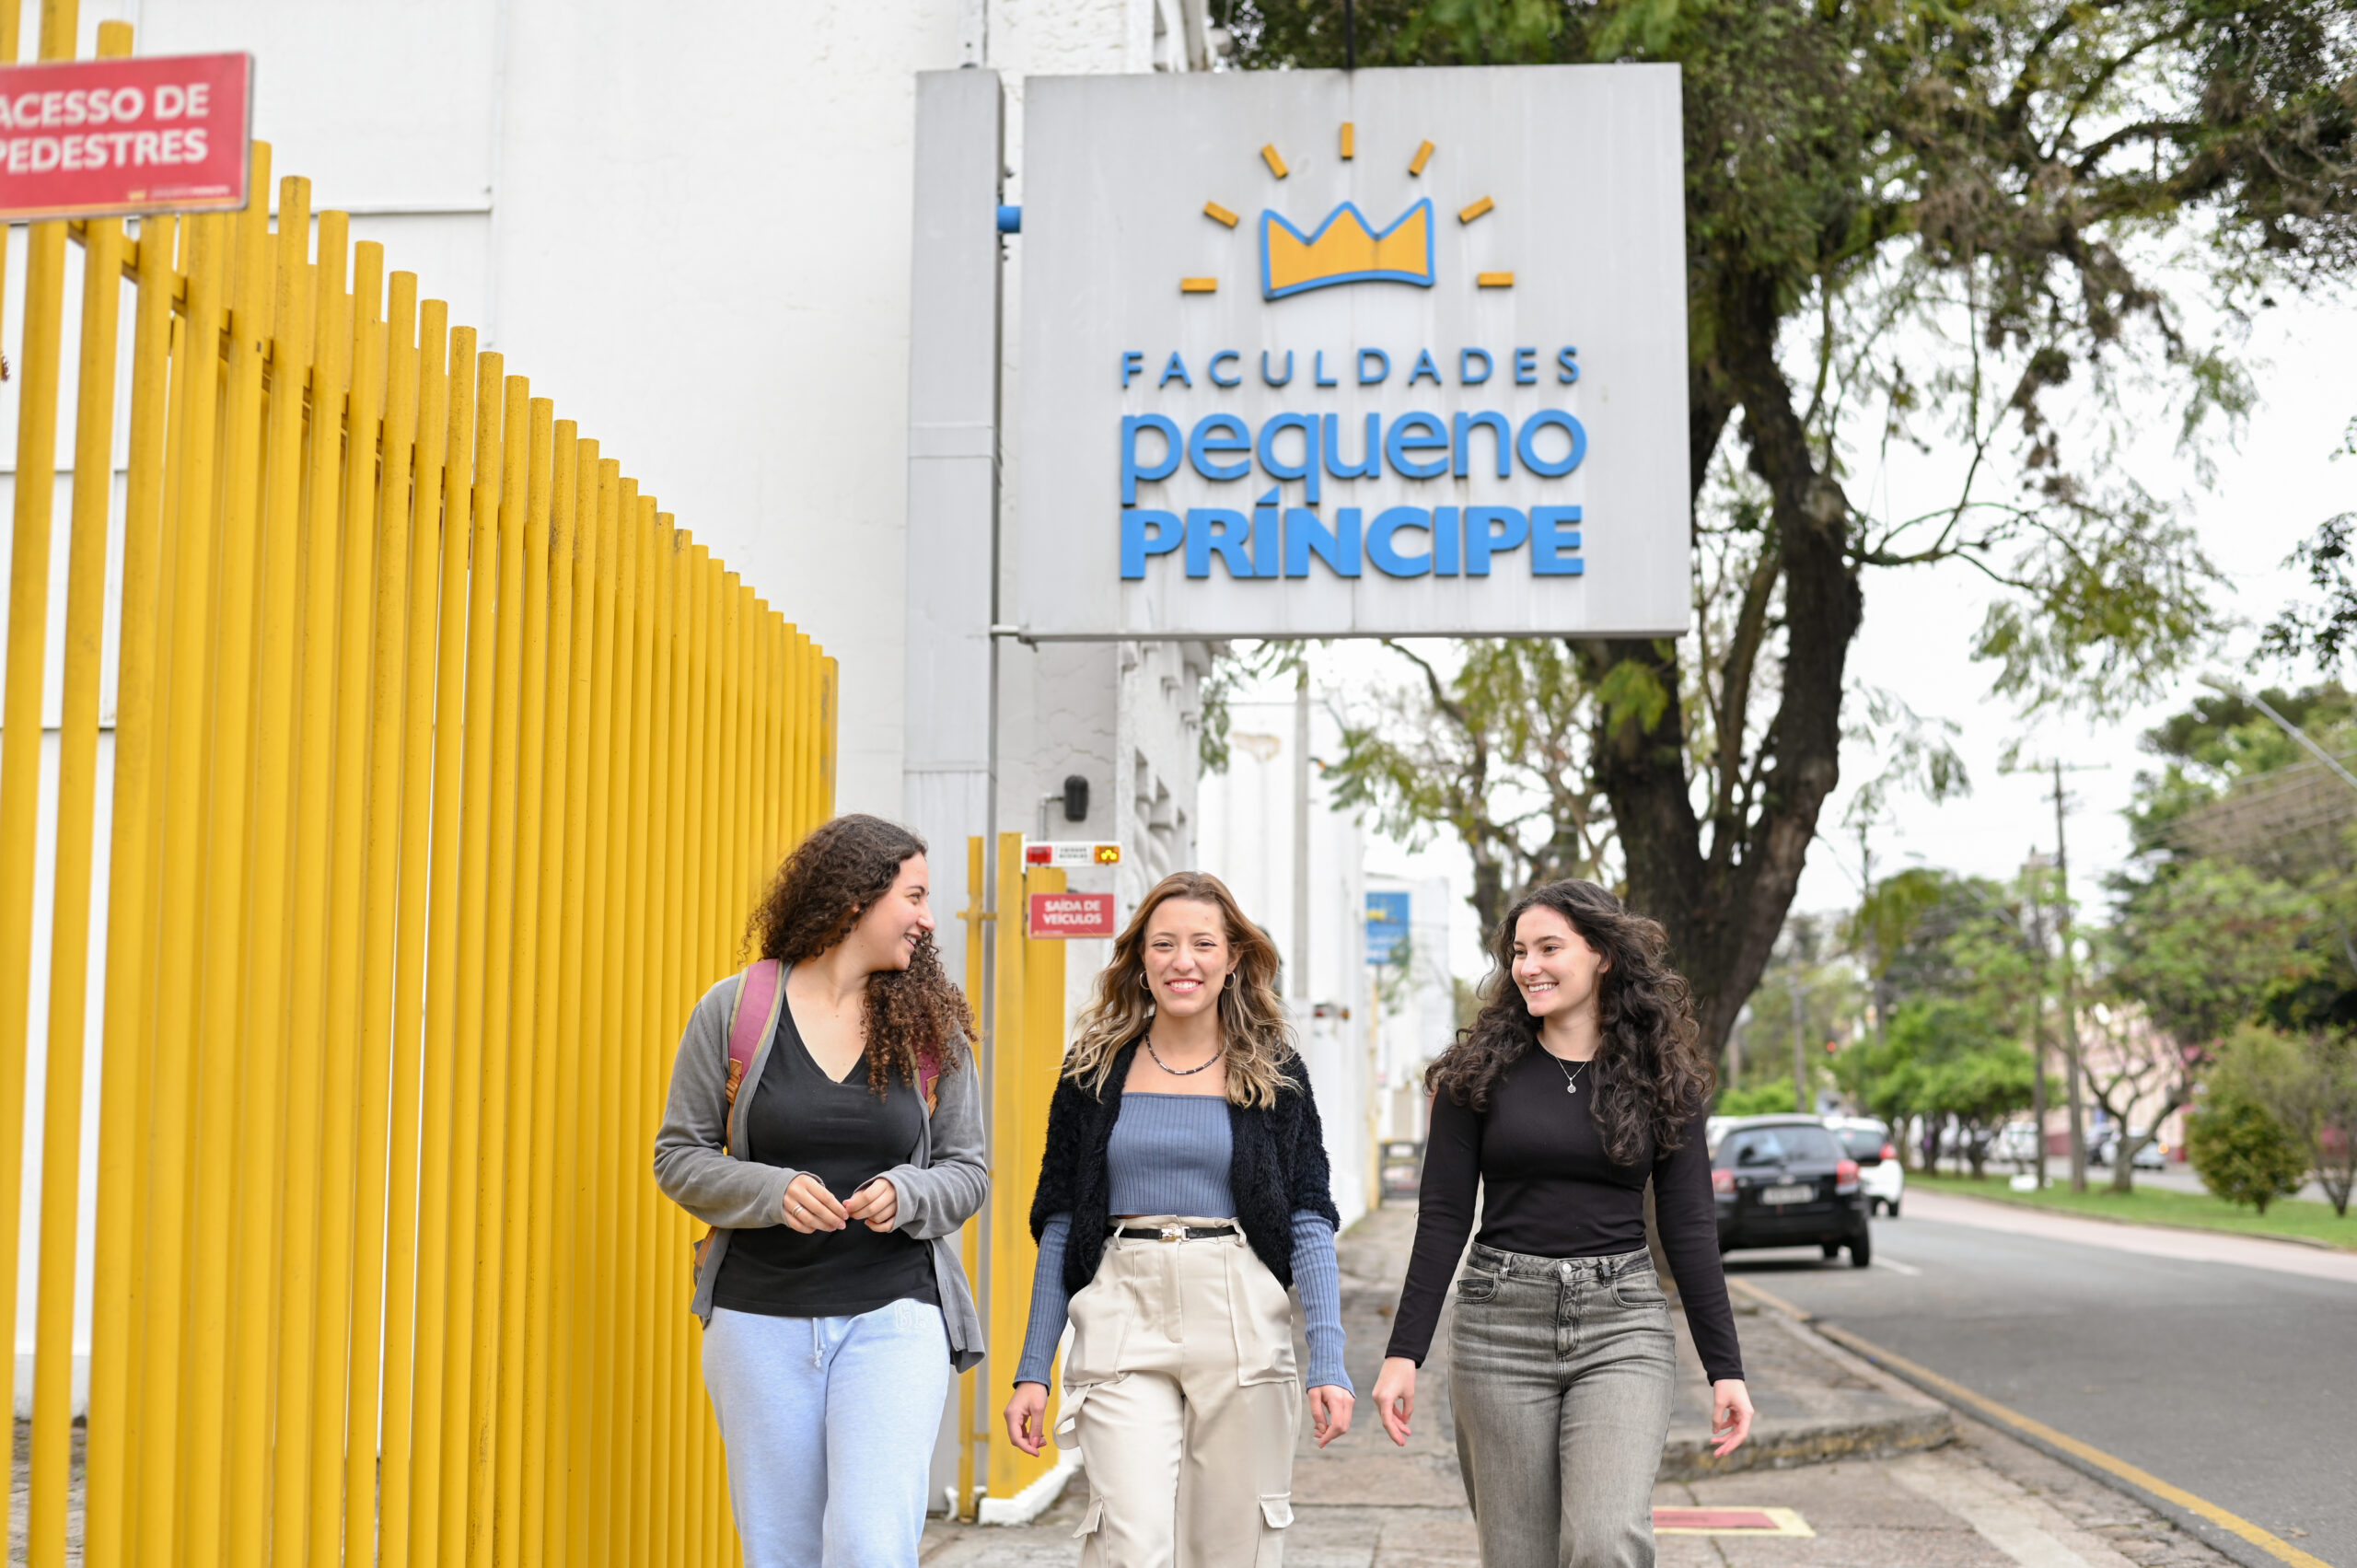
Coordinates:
<point>1420,1014</point>
<point>1247,839</point>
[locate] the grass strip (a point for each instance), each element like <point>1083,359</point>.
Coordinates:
<point>2293,1218</point>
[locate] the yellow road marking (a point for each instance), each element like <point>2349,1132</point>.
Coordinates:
<point>1276,163</point>
<point>1768,1298</point>
<point>1350,140</point>
<point>1495,280</point>
<point>1218,213</point>
<point>1476,210</point>
<point>1199,285</point>
<point>2273,1545</point>
<point>1423,155</point>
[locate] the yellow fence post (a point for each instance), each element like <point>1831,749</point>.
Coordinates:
<point>1026,1054</point>
<point>70,912</point>
<point>20,724</point>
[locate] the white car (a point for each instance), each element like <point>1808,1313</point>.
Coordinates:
<point>1881,1179</point>
<point>2017,1141</point>
<point>2149,1154</point>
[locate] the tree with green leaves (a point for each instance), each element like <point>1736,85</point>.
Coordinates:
<point>2242,1153</point>
<point>1957,975</point>
<point>1916,225</point>
<point>1494,752</point>
<point>2308,1084</point>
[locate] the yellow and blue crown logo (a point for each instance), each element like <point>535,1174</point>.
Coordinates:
<point>1345,248</point>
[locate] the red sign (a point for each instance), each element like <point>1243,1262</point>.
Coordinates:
<point>1072,915</point>
<point>91,138</point>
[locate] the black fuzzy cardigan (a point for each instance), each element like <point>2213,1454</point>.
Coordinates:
<point>1277,1169</point>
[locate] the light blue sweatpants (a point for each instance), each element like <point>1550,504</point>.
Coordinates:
<point>829,1425</point>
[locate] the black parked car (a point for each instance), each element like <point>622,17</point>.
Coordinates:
<point>1782,1181</point>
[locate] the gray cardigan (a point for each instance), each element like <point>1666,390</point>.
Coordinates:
<point>943,1184</point>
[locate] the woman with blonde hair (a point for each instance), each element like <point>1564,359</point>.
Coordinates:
<point>1183,1188</point>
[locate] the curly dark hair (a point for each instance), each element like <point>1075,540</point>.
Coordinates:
<point>1651,1075</point>
<point>916,1017</point>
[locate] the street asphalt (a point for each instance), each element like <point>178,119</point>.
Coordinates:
<point>2236,1383</point>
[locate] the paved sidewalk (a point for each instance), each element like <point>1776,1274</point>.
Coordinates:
<point>1906,1485</point>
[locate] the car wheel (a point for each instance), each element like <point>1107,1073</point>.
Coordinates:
<point>1891,1208</point>
<point>1862,1249</point>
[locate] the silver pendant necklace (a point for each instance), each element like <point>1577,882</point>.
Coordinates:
<point>1571,1075</point>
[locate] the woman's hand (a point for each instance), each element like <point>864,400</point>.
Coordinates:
<point>1730,1415</point>
<point>809,1207</point>
<point>1027,1417</point>
<point>1329,1411</point>
<point>876,1205</point>
<point>1395,1396</point>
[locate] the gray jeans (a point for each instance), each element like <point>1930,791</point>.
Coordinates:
<point>1561,1370</point>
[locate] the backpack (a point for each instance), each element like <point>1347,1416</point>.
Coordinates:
<point>753,1014</point>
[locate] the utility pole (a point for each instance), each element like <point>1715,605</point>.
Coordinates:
<point>1350,37</point>
<point>2071,1064</point>
<point>1800,1049</point>
<point>1301,837</point>
<point>2035,866</point>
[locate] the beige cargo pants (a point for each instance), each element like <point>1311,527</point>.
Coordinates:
<point>1181,1391</point>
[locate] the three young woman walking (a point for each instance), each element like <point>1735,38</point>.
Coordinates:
<point>825,1119</point>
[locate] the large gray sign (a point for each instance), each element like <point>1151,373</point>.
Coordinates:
<point>1391,352</point>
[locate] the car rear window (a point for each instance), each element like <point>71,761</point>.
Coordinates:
<point>1757,1146</point>
<point>1863,1143</point>
<point>1809,1145</point>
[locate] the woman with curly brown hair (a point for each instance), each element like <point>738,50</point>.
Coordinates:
<point>834,1304</point>
<point>1183,1188</point>
<point>1579,1082</point>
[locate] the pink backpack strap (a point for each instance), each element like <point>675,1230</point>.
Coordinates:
<point>760,993</point>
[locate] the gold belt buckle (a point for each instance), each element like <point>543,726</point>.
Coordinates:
<point>1174,1233</point>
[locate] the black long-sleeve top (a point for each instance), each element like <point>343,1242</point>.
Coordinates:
<point>1549,1189</point>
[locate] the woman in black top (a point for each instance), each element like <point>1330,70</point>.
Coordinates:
<point>1578,1083</point>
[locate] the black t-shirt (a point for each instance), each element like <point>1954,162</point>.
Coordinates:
<point>842,1134</point>
<point>1548,1188</point>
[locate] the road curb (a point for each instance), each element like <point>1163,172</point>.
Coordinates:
<point>1862,1351</point>
<point>1925,1424</point>
<point>1783,1445</point>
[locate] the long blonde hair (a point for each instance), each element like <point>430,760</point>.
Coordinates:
<point>1257,1035</point>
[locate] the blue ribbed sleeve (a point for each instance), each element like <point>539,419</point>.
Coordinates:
<point>1320,1279</point>
<point>1049,1305</point>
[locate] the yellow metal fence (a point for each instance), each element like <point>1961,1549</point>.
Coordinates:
<point>444,769</point>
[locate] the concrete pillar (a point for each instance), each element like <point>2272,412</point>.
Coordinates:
<point>948,784</point>
<point>954,327</point>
